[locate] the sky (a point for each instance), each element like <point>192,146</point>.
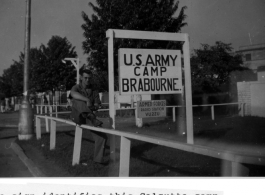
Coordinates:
<point>240,22</point>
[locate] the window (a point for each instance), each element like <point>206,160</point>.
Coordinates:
<point>248,57</point>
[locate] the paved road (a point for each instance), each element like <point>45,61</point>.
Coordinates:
<point>10,163</point>
<point>13,161</point>
<point>9,119</point>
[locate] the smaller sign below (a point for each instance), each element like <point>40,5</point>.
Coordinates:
<point>151,108</point>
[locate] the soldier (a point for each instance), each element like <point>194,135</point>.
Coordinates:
<point>85,101</point>
<point>2,102</point>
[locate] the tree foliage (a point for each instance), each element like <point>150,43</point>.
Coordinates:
<point>144,15</point>
<point>11,82</point>
<point>47,72</point>
<point>211,67</point>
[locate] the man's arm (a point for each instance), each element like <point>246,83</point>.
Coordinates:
<point>96,97</point>
<point>78,96</point>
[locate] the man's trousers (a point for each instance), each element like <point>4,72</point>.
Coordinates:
<point>100,143</point>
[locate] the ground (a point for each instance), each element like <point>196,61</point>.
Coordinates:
<point>150,160</point>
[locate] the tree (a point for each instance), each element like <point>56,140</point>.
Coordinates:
<point>211,67</point>
<point>48,72</point>
<point>11,82</point>
<point>144,15</point>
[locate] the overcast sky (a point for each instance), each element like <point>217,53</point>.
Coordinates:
<point>240,22</point>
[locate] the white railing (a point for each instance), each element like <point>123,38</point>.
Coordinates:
<point>241,107</point>
<point>49,109</point>
<point>232,162</point>
<point>53,109</point>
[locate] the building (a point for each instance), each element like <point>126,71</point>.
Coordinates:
<point>261,73</point>
<point>251,94</point>
<point>253,56</point>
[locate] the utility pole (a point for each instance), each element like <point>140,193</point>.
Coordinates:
<point>25,125</point>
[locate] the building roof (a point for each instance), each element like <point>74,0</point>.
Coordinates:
<point>252,47</point>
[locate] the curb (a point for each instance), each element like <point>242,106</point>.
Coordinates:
<point>33,169</point>
<point>3,126</point>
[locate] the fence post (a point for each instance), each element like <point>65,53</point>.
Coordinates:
<point>56,111</point>
<point>77,145</point>
<point>243,109</point>
<point>225,168</point>
<point>239,169</point>
<point>47,124</point>
<point>212,111</point>
<point>174,113</point>
<point>53,135</point>
<point>112,148</point>
<point>50,110</point>
<point>125,150</point>
<point>38,128</point>
<point>139,121</point>
<point>37,109</point>
<point>132,101</point>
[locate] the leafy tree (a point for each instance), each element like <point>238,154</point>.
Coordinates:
<point>37,68</point>
<point>211,67</point>
<point>11,82</point>
<point>144,15</point>
<point>48,72</point>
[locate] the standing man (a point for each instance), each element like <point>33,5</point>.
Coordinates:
<point>2,102</point>
<point>16,103</point>
<point>85,101</point>
<point>7,108</point>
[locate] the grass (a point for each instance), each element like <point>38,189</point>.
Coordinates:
<point>149,160</point>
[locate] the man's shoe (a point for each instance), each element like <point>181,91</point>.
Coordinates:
<point>96,122</point>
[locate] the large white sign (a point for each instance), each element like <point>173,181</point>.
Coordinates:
<point>149,71</point>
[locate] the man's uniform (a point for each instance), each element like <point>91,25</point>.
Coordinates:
<point>81,113</point>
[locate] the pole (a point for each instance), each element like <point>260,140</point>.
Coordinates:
<point>77,71</point>
<point>25,125</point>
<point>212,111</point>
<point>112,110</point>
<point>188,94</point>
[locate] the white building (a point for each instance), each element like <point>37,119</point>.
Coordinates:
<point>253,56</point>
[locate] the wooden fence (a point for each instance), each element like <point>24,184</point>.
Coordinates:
<point>233,163</point>
<point>48,109</point>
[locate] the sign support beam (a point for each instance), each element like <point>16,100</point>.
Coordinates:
<point>112,111</point>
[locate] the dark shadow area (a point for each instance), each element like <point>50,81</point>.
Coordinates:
<point>212,134</point>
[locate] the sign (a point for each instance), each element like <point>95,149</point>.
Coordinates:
<point>151,108</point>
<point>149,71</point>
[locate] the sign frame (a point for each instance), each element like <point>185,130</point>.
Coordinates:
<point>111,34</point>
